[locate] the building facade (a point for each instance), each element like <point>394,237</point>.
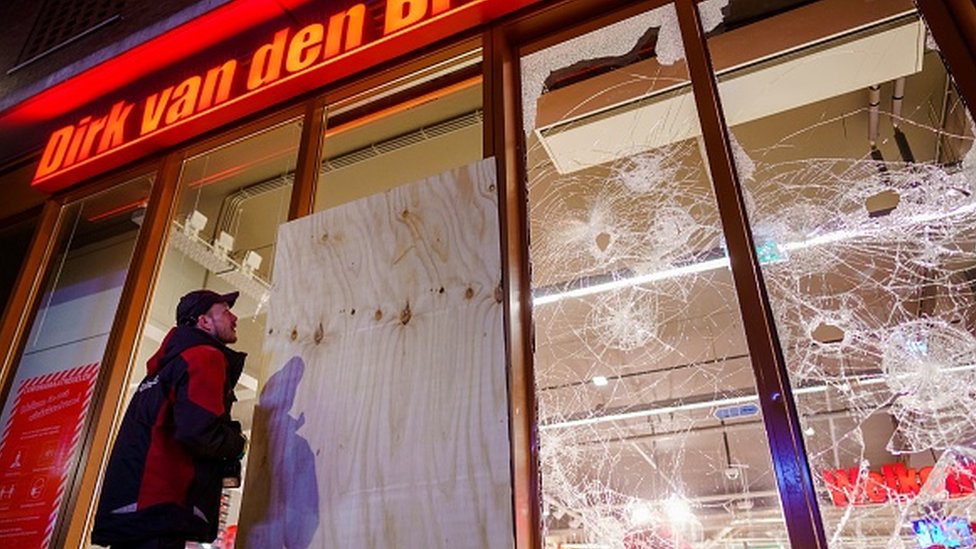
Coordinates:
<point>735,258</point>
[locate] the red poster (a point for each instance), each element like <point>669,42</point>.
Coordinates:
<point>37,445</point>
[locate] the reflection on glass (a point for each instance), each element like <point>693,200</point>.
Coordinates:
<point>650,431</point>
<point>418,138</point>
<point>14,241</point>
<point>857,162</point>
<point>233,198</point>
<point>43,416</point>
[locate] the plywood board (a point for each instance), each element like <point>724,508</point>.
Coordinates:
<point>386,423</point>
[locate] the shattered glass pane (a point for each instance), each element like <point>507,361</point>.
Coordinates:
<point>650,431</point>
<point>858,168</point>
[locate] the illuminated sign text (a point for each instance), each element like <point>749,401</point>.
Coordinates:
<point>856,487</point>
<point>287,53</point>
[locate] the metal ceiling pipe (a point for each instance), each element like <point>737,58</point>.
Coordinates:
<point>904,148</point>
<point>874,101</point>
<point>896,100</point>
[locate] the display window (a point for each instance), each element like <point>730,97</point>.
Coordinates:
<point>857,163</point>
<point>414,127</point>
<point>232,198</point>
<point>650,431</point>
<point>15,239</point>
<point>53,382</point>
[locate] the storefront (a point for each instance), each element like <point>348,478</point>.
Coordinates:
<point>735,262</point>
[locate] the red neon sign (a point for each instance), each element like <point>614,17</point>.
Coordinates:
<point>288,63</point>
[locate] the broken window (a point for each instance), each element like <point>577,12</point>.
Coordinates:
<point>856,159</point>
<point>650,432</point>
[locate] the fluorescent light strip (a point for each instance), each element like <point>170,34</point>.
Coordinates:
<point>723,262</point>
<point>709,265</point>
<point>713,264</point>
<point>647,413</point>
<point>874,380</point>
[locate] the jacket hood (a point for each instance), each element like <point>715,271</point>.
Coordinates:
<point>181,338</point>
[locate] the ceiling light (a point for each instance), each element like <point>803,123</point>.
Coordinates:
<point>640,513</point>
<point>723,262</point>
<point>694,268</point>
<point>758,520</point>
<point>809,390</point>
<point>678,510</point>
<point>649,412</point>
<point>730,401</point>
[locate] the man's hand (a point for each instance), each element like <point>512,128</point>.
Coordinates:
<point>244,449</point>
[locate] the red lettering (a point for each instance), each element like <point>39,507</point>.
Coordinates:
<point>969,469</point>
<point>874,488</point>
<point>440,6</point>
<point>155,106</point>
<point>841,486</point>
<point>923,474</point>
<point>891,480</point>
<point>907,480</point>
<point>72,155</point>
<point>266,63</point>
<point>856,487</point>
<point>901,479</point>
<point>114,134</point>
<point>54,151</point>
<point>345,31</point>
<point>184,100</point>
<point>217,84</point>
<point>305,48</point>
<point>959,482</point>
<point>348,24</point>
<point>403,13</point>
<point>94,129</point>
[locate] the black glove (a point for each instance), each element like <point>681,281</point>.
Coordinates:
<point>230,470</point>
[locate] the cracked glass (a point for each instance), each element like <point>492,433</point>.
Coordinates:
<point>650,433</point>
<point>856,160</point>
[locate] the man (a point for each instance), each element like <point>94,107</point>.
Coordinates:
<point>177,441</point>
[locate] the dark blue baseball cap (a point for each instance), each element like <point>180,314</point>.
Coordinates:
<point>198,302</point>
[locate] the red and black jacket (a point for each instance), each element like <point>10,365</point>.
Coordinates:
<point>164,477</point>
